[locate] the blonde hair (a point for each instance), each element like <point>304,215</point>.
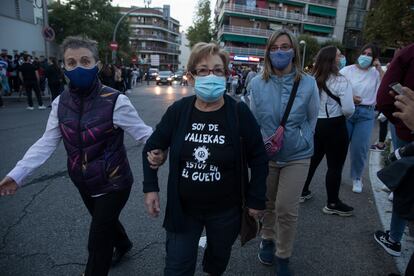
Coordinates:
<point>268,68</point>
<point>202,50</point>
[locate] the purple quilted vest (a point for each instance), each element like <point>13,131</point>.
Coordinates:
<point>97,161</point>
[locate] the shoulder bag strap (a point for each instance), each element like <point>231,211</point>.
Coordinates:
<point>330,94</point>
<point>290,103</point>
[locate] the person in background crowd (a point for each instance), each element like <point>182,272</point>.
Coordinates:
<point>270,92</point>
<point>234,85</point>
<point>401,70</point>
<point>252,73</point>
<point>331,135</point>
<point>365,78</point>
<point>42,66</point>
<point>106,75</point>
<point>30,79</point>
<point>135,76</point>
<point>4,80</point>
<point>91,120</point>
<point>54,77</point>
<point>205,175</point>
<point>118,78</point>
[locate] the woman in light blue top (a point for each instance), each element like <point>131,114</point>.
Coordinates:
<point>288,168</point>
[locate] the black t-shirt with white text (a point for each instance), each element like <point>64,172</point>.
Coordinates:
<point>207,163</point>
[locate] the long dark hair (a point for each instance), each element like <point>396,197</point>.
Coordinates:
<point>325,65</point>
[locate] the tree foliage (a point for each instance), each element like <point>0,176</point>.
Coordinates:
<point>201,30</point>
<point>390,22</point>
<point>312,48</point>
<point>95,19</point>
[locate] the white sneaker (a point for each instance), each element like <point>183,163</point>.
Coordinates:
<point>357,186</point>
<point>42,107</point>
<point>30,108</point>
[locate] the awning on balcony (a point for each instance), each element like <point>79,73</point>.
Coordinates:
<point>287,2</point>
<point>245,39</point>
<point>318,29</point>
<point>322,11</point>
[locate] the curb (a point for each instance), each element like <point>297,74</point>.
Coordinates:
<point>384,207</point>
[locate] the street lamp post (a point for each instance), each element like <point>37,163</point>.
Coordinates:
<point>303,42</point>
<point>116,29</point>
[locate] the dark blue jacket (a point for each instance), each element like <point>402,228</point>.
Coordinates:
<point>170,132</point>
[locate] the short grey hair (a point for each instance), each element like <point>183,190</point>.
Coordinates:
<point>76,42</point>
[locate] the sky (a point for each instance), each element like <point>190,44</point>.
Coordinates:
<point>182,10</point>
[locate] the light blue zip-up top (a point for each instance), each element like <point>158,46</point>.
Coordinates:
<point>268,103</point>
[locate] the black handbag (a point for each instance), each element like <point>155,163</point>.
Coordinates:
<point>249,227</point>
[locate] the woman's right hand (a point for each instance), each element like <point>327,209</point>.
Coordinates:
<point>8,186</point>
<point>357,99</point>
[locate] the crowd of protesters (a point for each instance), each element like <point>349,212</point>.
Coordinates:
<point>323,114</point>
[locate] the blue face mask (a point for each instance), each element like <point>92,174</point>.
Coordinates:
<point>364,61</point>
<point>209,88</point>
<point>342,62</point>
<point>82,78</point>
<point>281,59</point>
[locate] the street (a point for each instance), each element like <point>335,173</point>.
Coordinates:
<point>44,227</point>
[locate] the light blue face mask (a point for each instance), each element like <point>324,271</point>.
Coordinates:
<point>342,62</point>
<point>209,88</point>
<point>364,61</point>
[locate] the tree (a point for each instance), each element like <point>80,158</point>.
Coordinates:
<point>95,19</point>
<point>390,23</point>
<point>312,48</point>
<point>335,43</point>
<point>201,30</point>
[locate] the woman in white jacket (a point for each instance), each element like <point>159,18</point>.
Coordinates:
<point>331,136</point>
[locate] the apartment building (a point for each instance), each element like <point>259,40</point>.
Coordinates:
<point>21,25</point>
<point>155,34</point>
<point>245,25</point>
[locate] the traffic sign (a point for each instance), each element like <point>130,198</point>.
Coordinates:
<point>113,45</point>
<point>48,33</point>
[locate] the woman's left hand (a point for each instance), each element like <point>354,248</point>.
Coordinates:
<point>156,158</point>
<point>257,214</point>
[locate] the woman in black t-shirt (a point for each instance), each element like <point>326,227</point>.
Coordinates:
<point>203,138</point>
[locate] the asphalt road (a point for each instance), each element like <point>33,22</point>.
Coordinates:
<point>44,227</point>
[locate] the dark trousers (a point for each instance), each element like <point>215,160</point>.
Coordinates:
<point>331,139</point>
<point>409,271</point>
<point>106,231</point>
<point>383,129</point>
<point>55,89</point>
<point>222,229</point>
<point>29,86</point>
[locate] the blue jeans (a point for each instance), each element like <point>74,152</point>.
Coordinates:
<point>222,229</point>
<point>398,224</point>
<point>360,127</point>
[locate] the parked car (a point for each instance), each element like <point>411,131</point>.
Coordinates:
<point>165,77</point>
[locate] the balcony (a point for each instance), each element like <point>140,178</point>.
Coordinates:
<point>245,31</point>
<point>245,51</point>
<point>154,26</point>
<point>269,14</point>
<point>152,37</point>
<point>328,3</point>
<point>151,49</point>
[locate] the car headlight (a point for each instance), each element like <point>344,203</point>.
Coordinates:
<point>158,78</point>
<point>169,78</point>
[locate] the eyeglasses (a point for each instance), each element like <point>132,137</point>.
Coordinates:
<point>283,47</point>
<point>202,72</point>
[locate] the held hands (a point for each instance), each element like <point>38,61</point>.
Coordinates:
<point>405,103</point>
<point>357,99</point>
<point>152,203</point>
<point>257,214</point>
<point>377,64</point>
<point>8,186</point>
<point>156,158</point>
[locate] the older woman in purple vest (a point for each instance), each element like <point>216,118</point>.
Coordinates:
<point>91,120</point>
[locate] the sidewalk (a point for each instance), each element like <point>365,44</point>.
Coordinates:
<point>384,207</point>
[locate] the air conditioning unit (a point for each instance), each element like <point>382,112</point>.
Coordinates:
<point>252,19</point>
